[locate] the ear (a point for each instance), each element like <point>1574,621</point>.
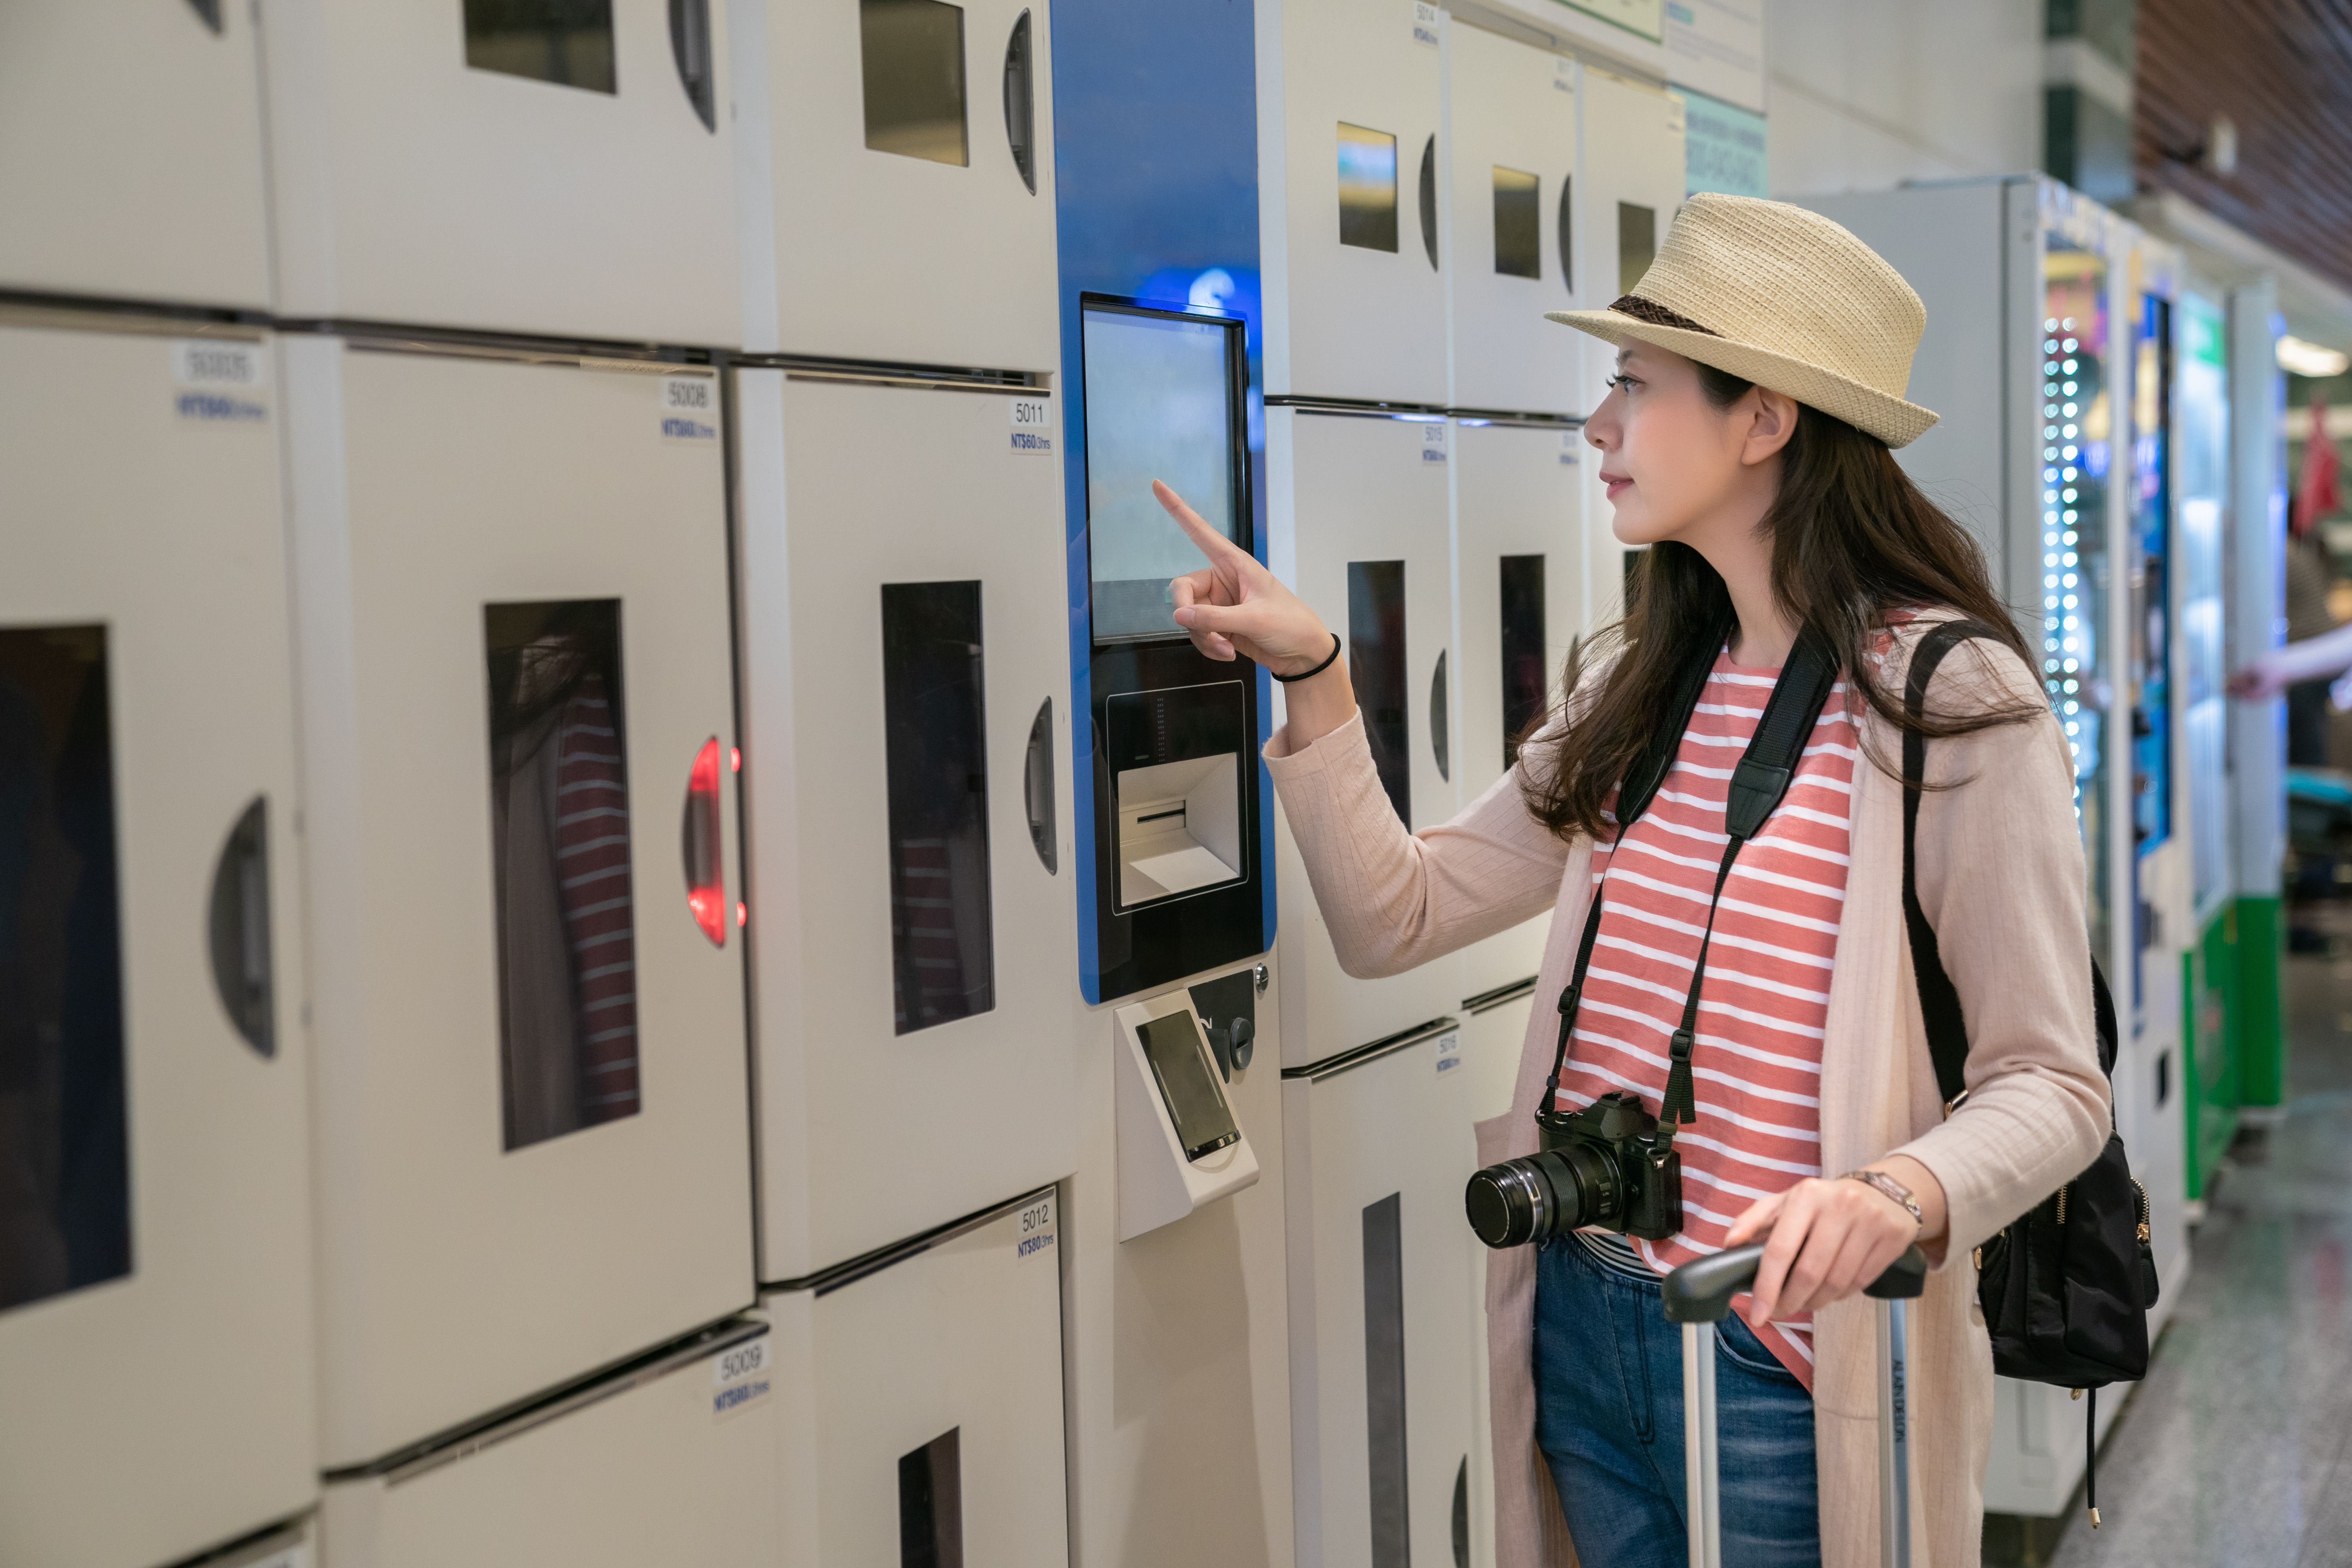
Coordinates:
<point>1773,420</point>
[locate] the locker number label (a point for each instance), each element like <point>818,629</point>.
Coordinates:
<point>742,1376</point>
<point>1033,426</point>
<point>1563,76</point>
<point>1035,1230</point>
<point>689,408</point>
<point>1425,24</point>
<point>1449,1053</point>
<point>1433,442</point>
<point>219,382</point>
<point>1572,448</point>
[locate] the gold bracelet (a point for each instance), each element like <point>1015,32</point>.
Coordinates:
<point>1887,1186</point>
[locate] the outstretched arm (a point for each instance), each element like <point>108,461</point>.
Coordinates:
<point>2328,654</point>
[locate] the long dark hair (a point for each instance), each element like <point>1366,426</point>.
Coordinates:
<point>1853,538</point>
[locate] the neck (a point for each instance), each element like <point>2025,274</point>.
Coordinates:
<point>1741,553</point>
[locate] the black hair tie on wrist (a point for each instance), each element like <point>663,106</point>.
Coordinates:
<point>1319,670</point>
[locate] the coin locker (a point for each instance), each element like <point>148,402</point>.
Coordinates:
<point>928,1425</point>
<point>517,717</point>
<point>905,672</point>
<point>131,154</point>
<point>900,181</point>
<point>563,169</point>
<point>155,1224</point>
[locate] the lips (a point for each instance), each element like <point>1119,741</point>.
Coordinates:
<point>1612,483</point>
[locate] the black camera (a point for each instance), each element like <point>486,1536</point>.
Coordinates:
<point>1606,1165</point>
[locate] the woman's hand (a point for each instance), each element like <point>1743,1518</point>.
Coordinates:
<point>2259,680</point>
<point>1829,1238</point>
<point>1235,606</point>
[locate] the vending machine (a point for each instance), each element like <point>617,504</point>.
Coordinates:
<point>2210,1080</point>
<point>888,213</point>
<point>923,1422</point>
<point>1377,1146</point>
<point>2257,732</point>
<point>155,1255</point>
<point>131,154</point>
<point>670,1457</point>
<point>1517,392</point>
<point>517,714</point>
<point>907,714</point>
<point>2038,310</point>
<point>479,165</point>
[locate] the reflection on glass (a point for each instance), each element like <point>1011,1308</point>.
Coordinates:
<point>2151,583</point>
<point>567,42</point>
<point>912,52</point>
<point>2078,418</point>
<point>1518,223</point>
<point>1367,188</point>
<point>935,734</point>
<point>1377,669</point>
<point>2203,478</point>
<point>65,1158</point>
<point>1525,682</point>
<point>1637,244</point>
<point>1384,1412</point>
<point>559,843</point>
<point>1160,397</point>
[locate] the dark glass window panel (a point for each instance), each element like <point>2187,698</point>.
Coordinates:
<point>912,52</point>
<point>1376,668</point>
<point>65,1154</point>
<point>930,1503</point>
<point>1518,224</point>
<point>1367,188</point>
<point>935,725</point>
<point>559,843</point>
<point>567,42</point>
<point>1384,1417</point>
<point>1526,682</point>
<point>1637,244</point>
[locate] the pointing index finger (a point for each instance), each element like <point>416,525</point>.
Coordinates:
<point>1213,545</point>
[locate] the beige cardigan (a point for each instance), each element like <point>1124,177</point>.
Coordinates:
<point>2000,877</point>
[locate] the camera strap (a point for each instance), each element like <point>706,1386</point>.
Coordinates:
<point>1758,786</point>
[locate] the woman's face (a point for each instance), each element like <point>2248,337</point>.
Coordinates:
<point>1672,461</point>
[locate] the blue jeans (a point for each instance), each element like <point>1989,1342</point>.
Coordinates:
<point>1609,1420</point>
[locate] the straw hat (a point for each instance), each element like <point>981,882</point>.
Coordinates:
<point>1783,297</point>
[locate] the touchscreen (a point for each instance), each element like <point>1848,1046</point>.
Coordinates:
<point>1160,406</point>
<point>1203,1121</point>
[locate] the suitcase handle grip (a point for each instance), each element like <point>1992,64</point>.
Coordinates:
<point>1700,1291</point>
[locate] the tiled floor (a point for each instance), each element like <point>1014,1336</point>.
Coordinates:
<point>2234,1452</point>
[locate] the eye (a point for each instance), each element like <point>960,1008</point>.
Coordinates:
<point>1622,380</point>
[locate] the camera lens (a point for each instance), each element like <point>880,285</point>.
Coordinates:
<point>1542,1195</point>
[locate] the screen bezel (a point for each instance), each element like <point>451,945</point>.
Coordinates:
<point>1208,1075</point>
<point>1237,434</point>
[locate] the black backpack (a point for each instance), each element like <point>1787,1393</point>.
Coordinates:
<point>2066,1289</point>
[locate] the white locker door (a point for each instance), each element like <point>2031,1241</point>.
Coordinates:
<point>673,1461</point>
<point>902,206</point>
<point>1377,1154</point>
<point>1367,530</point>
<point>1518,569</point>
<point>1492,1041</point>
<point>1355,290</point>
<point>908,693</point>
<point>932,1430</point>
<point>1511,131</point>
<point>130,153</point>
<point>517,723</point>
<point>1632,186</point>
<point>482,165</point>
<point>154,1169</point>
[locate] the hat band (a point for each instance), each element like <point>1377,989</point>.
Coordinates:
<point>1657,315</point>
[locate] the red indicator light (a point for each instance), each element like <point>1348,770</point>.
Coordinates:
<point>706,886</point>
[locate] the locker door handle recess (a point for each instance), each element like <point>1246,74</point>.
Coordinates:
<point>239,928</point>
<point>210,10</point>
<point>1038,789</point>
<point>689,44</point>
<point>1020,102</point>
<point>1429,199</point>
<point>706,881</point>
<point>1567,236</point>
<point>1437,725</point>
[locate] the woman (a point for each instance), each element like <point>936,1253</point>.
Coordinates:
<point>1745,440</point>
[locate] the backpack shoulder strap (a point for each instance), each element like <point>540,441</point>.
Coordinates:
<point>1940,1003</point>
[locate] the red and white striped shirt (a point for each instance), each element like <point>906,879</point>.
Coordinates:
<point>1757,1067</point>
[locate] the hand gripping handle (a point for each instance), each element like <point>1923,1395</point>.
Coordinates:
<point>1700,1291</point>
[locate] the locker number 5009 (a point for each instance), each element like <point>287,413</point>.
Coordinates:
<point>743,1362</point>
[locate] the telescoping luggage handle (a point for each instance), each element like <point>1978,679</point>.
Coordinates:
<point>1697,1296</point>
